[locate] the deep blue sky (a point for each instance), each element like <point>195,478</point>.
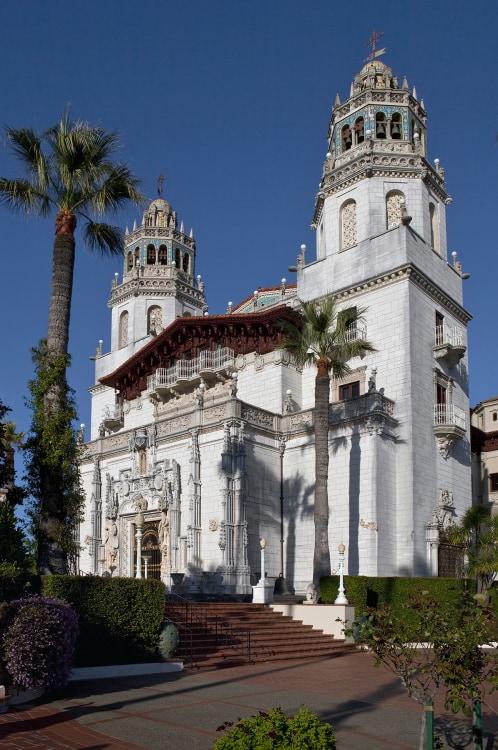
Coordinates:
<point>230,100</point>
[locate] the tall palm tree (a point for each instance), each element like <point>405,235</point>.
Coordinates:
<point>324,339</point>
<point>69,169</point>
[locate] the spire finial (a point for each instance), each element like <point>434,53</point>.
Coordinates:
<point>372,42</point>
<point>160,181</point>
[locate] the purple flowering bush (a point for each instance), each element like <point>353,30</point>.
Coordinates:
<point>38,644</point>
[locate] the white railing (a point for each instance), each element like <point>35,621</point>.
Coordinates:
<point>445,335</point>
<point>186,369</point>
<point>449,414</point>
<point>114,412</point>
<point>355,332</point>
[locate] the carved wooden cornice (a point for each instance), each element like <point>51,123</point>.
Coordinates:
<point>185,338</point>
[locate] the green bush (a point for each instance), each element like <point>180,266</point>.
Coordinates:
<point>15,581</point>
<point>364,591</point>
<point>276,730</point>
<point>120,618</point>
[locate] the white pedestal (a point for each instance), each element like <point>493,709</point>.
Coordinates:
<point>262,593</point>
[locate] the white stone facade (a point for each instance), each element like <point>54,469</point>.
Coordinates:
<point>224,455</point>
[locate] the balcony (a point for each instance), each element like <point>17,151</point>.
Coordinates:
<point>448,426</point>
<point>372,409</point>
<point>113,418</point>
<point>355,332</point>
<point>187,373</point>
<point>449,344</point>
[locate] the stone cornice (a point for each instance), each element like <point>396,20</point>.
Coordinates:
<point>391,160</point>
<point>414,275</point>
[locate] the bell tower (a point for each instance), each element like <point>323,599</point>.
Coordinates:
<point>159,282</point>
<point>381,247</point>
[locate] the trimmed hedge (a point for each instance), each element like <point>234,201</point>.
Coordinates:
<point>365,591</point>
<point>120,618</point>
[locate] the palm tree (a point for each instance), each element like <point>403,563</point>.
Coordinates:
<point>69,169</point>
<point>477,533</point>
<point>325,339</point>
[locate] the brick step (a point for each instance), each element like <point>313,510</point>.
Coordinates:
<point>274,636</point>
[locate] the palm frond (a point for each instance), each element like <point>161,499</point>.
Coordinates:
<point>322,335</point>
<point>104,238</point>
<point>21,195</point>
<point>27,148</point>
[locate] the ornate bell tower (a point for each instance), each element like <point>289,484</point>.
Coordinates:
<point>159,282</point>
<point>380,218</point>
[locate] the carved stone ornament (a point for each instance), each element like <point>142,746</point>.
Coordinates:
<point>213,524</point>
<point>140,503</point>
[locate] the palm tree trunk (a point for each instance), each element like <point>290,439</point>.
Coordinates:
<point>321,557</point>
<point>62,284</point>
<point>51,558</point>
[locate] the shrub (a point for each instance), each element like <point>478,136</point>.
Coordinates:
<point>276,730</point>
<point>366,592</point>
<point>120,618</point>
<point>39,642</point>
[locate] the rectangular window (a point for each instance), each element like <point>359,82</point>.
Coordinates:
<point>349,390</point>
<point>493,482</point>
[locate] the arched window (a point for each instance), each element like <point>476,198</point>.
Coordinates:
<point>396,127</point>
<point>380,125</point>
<point>163,255</point>
<point>346,138</point>
<point>393,208</point>
<point>185,263</point>
<point>434,227</point>
<point>154,320</point>
<point>129,261</point>
<point>151,255</point>
<point>359,129</point>
<point>137,256</point>
<point>348,224</point>
<point>123,329</point>
<point>177,258</point>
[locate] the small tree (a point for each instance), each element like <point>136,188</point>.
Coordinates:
<point>53,476</point>
<point>431,646</point>
<point>13,543</point>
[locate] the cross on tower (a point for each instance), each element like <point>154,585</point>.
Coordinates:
<point>376,35</point>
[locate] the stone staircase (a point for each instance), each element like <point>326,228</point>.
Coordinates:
<point>219,634</point>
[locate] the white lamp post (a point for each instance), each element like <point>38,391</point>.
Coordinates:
<point>146,559</point>
<point>263,591</point>
<point>262,544</point>
<point>139,522</point>
<point>341,596</point>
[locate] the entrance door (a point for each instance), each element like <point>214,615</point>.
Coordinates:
<point>150,547</point>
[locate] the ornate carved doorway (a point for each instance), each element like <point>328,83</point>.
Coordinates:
<point>151,548</point>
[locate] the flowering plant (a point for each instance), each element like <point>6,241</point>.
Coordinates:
<point>39,642</point>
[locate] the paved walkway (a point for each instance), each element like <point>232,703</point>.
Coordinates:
<point>367,707</point>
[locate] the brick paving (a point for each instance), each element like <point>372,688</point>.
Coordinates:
<point>368,708</point>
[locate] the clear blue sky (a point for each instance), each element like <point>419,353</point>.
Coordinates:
<point>230,100</point>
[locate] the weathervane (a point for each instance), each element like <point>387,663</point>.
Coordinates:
<point>376,35</point>
<point>160,181</point>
